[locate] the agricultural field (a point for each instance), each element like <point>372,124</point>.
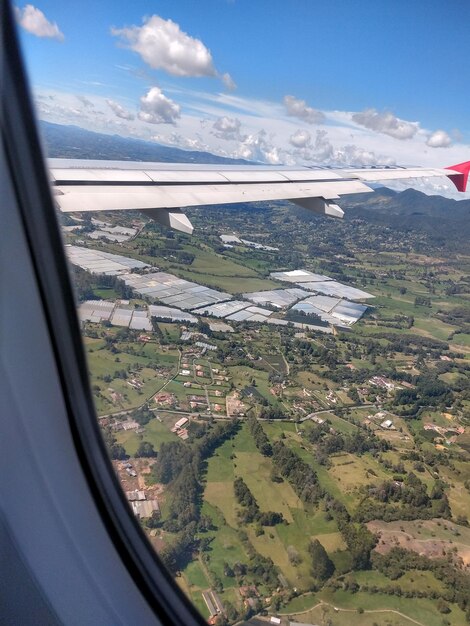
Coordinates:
<point>240,458</point>
<point>343,609</point>
<point>325,399</point>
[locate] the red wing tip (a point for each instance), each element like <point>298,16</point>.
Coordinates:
<point>460,175</point>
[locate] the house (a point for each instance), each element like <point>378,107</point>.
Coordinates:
<point>144,508</point>
<point>181,422</point>
<point>135,496</point>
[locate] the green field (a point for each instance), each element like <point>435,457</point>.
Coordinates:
<point>376,606</point>
<point>240,457</point>
<point>295,373</point>
<point>155,432</point>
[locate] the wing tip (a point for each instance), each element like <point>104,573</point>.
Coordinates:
<point>460,175</point>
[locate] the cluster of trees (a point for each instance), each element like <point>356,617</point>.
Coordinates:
<point>409,343</point>
<point>162,337</point>
<point>272,413</point>
<point>460,316</point>
<point>143,415</point>
<point>398,561</point>
<point>322,566</point>
<point>304,318</point>
<point>115,450</point>
<point>359,540</point>
<point>395,500</point>
<point>172,457</point>
<point>301,476</point>
<point>261,440</point>
<point>85,282</point>
<point>357,442</point>
<point>247,500</point>
<point>179,465</point>
<point>176,554</point>
<point>146,450</point>
<point>422,301</point>
<point>261,568</point>
<point>250,512</point>
<point>357,536</point>
<point>171,251</point>
<point>429,391</point>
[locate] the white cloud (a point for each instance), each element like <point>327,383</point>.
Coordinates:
<point>156,108</point>
<point>356,155</point>
<point>228,82</point>
<point>323,148</point>
<point>227,128</point>
<point>35,22</point>
<point>257,147</point>
<point>299,108</point>
<point>341,142</point>
<point>164,46</point>
<point>186,143</point>
<point>300,139</point>
<point>439,139</point>
<point>386,123</point>
<point>119,110</point>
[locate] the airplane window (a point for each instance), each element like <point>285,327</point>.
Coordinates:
<point>283,396</point>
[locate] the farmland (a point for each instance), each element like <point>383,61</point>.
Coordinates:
<point>377,417</point>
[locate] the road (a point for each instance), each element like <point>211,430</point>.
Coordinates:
<point>371,611</point>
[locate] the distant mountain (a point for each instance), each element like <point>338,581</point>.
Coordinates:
<point>73,142</point>
<point>444,220</point>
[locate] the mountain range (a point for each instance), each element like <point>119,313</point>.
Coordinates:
<point>445,221</point>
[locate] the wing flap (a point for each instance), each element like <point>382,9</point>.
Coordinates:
<point>378,175</point>
<point>121,197</point>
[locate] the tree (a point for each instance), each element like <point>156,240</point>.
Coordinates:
<point>118,452</point>
<point>293,556</point>
<point>322,566</point>
<point>146,450</point>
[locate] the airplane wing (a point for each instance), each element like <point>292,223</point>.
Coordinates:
<point>161,189</point>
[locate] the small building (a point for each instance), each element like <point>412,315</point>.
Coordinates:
<point>181,422</point>
<point>144,508</point>
<point>217,602</point>
<point>130,425</point>
<point>209,603</point>
<point>135,496</point>
<point>388,424</point>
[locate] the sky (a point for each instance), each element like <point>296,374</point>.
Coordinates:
<point>279,81</point>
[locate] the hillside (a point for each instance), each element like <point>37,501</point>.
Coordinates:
<point>77,143</point>
<point>445,221</point>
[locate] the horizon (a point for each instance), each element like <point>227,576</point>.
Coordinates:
<point>380,94</point>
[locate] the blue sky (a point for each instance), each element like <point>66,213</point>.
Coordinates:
<point>284,81</point>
